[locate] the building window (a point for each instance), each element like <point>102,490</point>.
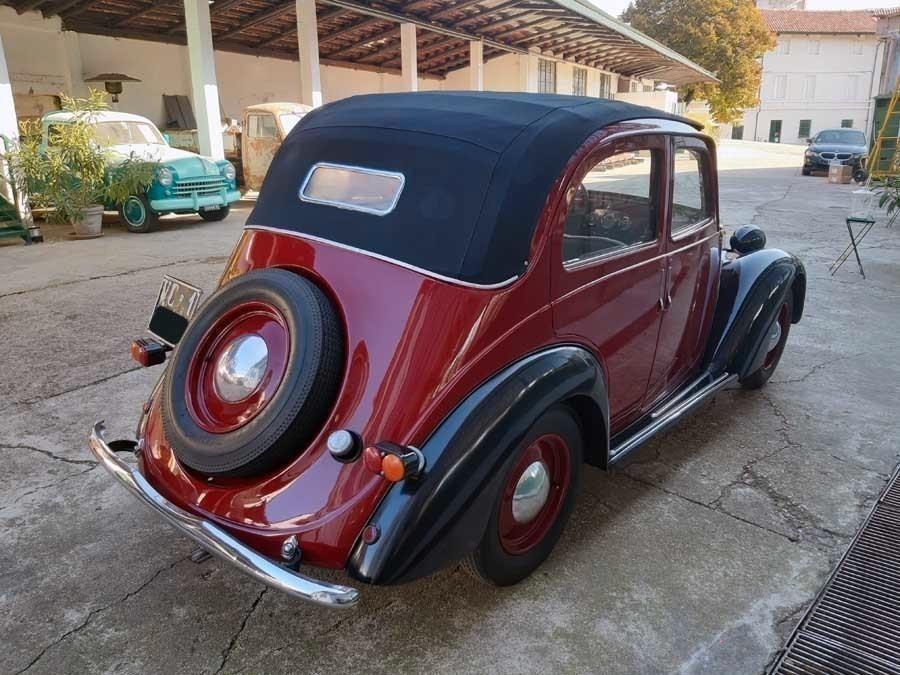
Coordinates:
<point>635,86</point>
<point>846,124</point>
<point>546,76</point>
<point>783,47</point>
<point>805,126</point>
<point>809,87</point>
<point>737,133</point>
<point>579,82</point>
<point>856,47</point>
<point>605,85</point>
<point>775,131</point>
<point>815,47</point>
<point>780,86</point>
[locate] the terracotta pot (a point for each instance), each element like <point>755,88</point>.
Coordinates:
<point>91,223</point>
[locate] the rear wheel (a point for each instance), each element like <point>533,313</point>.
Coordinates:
<point>778,335</point>
<point>137,215</point>
<point>806,171</point>
<point>215,215</point>
<point>531,510</point>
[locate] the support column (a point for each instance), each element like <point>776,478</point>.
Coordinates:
<point>476,65</point>
<point>9,127</point>
<point>308,45</point>
<point>203,78</point>
<point>409,68</point>
<point>71,64</point>
<point>528,71</point>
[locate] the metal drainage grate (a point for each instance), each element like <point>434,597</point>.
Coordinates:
<point>854,624</point>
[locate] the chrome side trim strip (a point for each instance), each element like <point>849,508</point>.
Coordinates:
<point>384,258</point>
<point>670,417</point>
<point>216,540</point>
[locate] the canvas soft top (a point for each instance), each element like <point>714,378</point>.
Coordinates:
<point>478,167</point>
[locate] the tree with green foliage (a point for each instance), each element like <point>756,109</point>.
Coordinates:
<point>727,37</point>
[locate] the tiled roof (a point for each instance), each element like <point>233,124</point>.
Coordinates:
<point>802,21</point>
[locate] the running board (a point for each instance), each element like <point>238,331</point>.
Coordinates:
<point>668,415</point>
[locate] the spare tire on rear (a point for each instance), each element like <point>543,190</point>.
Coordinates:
<point>255,375</point>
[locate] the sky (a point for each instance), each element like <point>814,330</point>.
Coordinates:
<point>616,7</point>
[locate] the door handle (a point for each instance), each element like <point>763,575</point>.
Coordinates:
<point>668,296</point>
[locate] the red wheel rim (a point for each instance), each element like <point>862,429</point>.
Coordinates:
<point>210,410</point>
<point>552,452</point>
<point>772,354</point>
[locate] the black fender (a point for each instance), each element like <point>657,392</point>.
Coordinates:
<point>437,519</point>
<point>751,291</point>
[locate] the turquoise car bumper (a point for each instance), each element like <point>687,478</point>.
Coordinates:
<point>195,202</point>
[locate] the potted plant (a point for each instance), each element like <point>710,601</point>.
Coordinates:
<point>68,171</point>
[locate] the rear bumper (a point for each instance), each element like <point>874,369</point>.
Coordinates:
<point>195,202</point>
<point>216,540</point>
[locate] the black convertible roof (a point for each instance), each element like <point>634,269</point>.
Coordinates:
<point>478,168</point>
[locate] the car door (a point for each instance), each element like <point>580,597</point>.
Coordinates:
<point>260,141</point>
<point>693,242</point>
<point>608,272</point>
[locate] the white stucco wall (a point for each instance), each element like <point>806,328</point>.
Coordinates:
<point>843,85</point>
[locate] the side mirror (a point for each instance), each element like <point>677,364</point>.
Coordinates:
<point>748,239</point>
<point>809,141</point>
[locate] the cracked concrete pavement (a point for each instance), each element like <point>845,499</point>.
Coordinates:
<point>698,554</point>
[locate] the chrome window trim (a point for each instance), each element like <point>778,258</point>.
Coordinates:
<point>661,256</point>
<point>345,205</point>
<point>687,230</point>
<point>384,258</point>
<point>573,265</point>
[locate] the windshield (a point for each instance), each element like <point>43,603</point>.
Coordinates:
<point>289,121</point>
<point>842,137</point>
<point>128,133</point>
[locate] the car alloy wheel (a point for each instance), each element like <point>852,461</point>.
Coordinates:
<point>238,367</point>
<point>779,327</point>
<point>134,212</point>
<point>534,493</point>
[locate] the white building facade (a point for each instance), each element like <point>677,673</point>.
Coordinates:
<point>822,74</point>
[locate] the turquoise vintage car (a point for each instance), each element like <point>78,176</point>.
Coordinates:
<point>184,183</point>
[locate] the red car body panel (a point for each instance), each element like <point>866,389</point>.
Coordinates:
<point>417,345</point>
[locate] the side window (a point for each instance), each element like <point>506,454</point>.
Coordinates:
<point>614,206</point>
<point>261,126</point>
<point>689,200</point>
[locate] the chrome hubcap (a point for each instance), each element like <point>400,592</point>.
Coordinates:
<point>531,493</point>
<point>241,367</point>
<point>774,336</point>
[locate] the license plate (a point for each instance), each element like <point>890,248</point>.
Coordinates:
<point>176,305</point>
<point>214,207</point>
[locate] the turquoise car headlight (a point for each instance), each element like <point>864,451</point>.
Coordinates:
<point>164,176</point>
<point>228,171</point>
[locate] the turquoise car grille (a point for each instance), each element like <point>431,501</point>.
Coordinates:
<point>203,186</point>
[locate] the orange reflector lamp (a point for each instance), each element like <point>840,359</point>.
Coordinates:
<point>394,462</point>
<point>148,352</point>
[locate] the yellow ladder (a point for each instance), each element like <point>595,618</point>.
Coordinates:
<point>887,144</point>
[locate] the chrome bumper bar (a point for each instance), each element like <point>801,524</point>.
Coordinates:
<point>216,540</point>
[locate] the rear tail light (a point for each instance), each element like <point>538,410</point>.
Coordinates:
<point>148,352</point>
<point>394,462</point>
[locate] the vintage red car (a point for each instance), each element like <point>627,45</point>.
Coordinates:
<point>442,306</point>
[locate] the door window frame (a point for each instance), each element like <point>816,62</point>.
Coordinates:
<point>707,169</point>
<point>587,271</point>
